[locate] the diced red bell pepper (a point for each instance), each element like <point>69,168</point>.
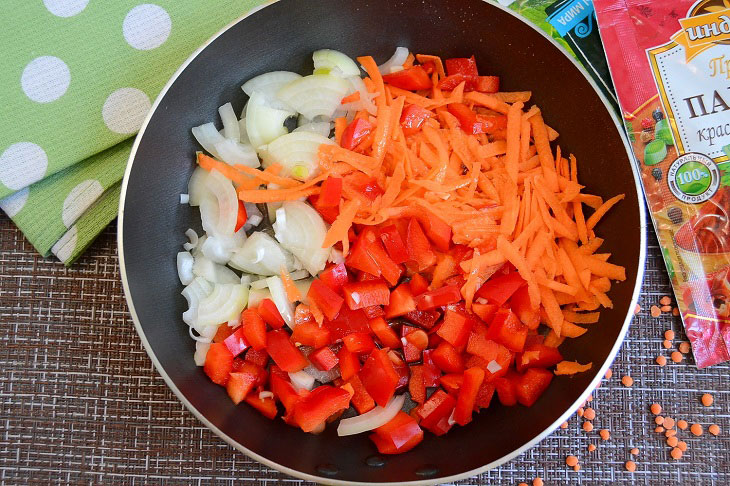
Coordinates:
<point>283,390</point>
<point>240,383</point>
<point>364,185</point>
<point>283,352</point>
<point>505,387</point>
<point>349,363</point>
<point>465,66</point>
<point>237,342</point>
<point>328,213</point>
<point>413,79</point>
<point>270,314</point>
<point>387,336</point>
<point>532,384</point>
<point>436,411</point>
<point>303,315</point>
<point>266,406</point>
<point>452,382</point>
<point>417,385</point>
<point>323,358</point>
<point>394,244</point>
<point>488,351</point>
<point>361,399</point>
<point>431,372</point>
<point>374,311</point>
<point>455,328</point>
<point>218,363</point>
<point>522,307</point>
<point>331,189</point>
<point>401,369</point>
<point>425,319</point>
<point>355,133</point>
<point>364,294</point>
<point>419,248</point>
<point>257,357</point>
<point>254,329</point>
<point>418,284</point>
<point>449,83</point>
<point>334,276</point>
<point>390,270</point>
<point>507,329</point>
<point>473,378</point>
<point>223,332</point>
<point>359,343</point>
<point>314,409</point>
<point>438,298</point>
<point>309,333</point>
<point>241,217</point>
<point>537,356</point>
<point>466,117</point>
<point>492,123</point>
<point>401,302</point>
<point>363,276</point>
<point>379,377</point>
<point>488,84</point>
<point>447,358</point>
<point>436,229</point>
<point>484,395</point>
<point>413,118</point>
<point>410,351</point>
<point>485,312</point>
<point>347,322</point>
<point>325,298</point>
<point>360,259</point>
<point>399,435</point>
<point>498,290</point>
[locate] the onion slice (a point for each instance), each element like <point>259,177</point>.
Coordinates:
<point>268,84</point>
<point>230,122</point>
<point>301,230</point>
<point>396,61</point>
<point>264,124</point>
<point>315,95</point>
<point>207,136</point>
<point>201,351</point>
<point>302,380</point>
<point>223,304</point>
<point>185,267</point>
<point>263,255</point>
<point>278,295</point>
<point>326,60</point>
<point>232,152</point>
<point>372,419</point>
<point>297,153</point>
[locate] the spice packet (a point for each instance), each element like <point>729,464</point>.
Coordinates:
<point>670,62</point>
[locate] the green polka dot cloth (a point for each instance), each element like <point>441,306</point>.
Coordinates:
<point>78,79</point>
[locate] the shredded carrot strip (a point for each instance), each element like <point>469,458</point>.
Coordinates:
<point>602,210</point>
<point>351,98</point>
<point>338,230</point>
<point>571,368</point>
<point>292,292</point>
<point>514,119</point>
<point>539,133</point>
<point>340,125</point>
<point>424,58</point>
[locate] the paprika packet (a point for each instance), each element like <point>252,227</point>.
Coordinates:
<point>670,63</point>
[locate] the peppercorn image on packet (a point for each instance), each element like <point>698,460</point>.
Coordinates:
<point>670,64</point>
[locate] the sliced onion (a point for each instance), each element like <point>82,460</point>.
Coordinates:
<point>220,248</point>
<point>320,128</point>
<point>373,419</point>
<point>396,61</point>
<point>246,280</point>
<point>297,153</point>
<point>259,284</point>
<point>266,394</point>
<point>264,123</point>
<point>213,272</point>
<point>302,286</point>
<point>196,186</point>
<point>263,255</point>
<point>301,230</point>
<point>255,296</point>
<point>197,251</point>
<point>230,122</point>
<point>207,136</point>
<point>323,376</point>
<point>295,276</point>
<point>493,366</point>
<point>223,304</point>
<point>184,198</point>
<point>302,380</point>
<point>233,152</point>
<point>192,239</point>
<point>194,293</point>
<point>278,295</point>
<point>242,133</point>
<point>336,256</point>
<point>185,267</point>
<point>219,213</point>
<point>366,98</point>
<point>269,84</point>
<point>315,95</point>
<point>329,59</point>
<point>201,351</point>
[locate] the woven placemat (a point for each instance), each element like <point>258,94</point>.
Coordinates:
<point>80,402</point>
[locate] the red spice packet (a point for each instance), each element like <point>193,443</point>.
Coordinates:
<point>670,63</point>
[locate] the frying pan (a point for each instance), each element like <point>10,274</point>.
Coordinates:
<point>282,36</point>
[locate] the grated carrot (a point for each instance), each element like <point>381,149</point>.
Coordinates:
<point>571,367</point>
<point>292,292</point>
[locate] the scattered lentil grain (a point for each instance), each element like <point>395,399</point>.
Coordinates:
<point>684,347</point>
<point>591,447</point>
<point>659,429</point>
<point>605,434</point>
<point>677,357</point>
<point>522,484</point>
<point>682,445</point>
<point>655,311</point>
<point>580,412</point>
<point>666,308</point>
<point>634,451</point>
<point>659,420</point>
<point>672,442</point>
<point>668,422</point>
<point>696,429</point>
<point>676,453</point>
<point>627,380</point>
<point>666,300</point>
<point>682,424</point>
<point>609,374</point>
<point>630,466</point>
<point>571,461</point>
<point>576,468</point>
<point>707,399</point>
<point>637,309</point>
<point>590,398</point>
<point>669,334</point>
<point>714,429</point>
<point>675,311</point>
<point>661,360</point>
<point>666,344</point>
<point>587,426</point>
<point>589,413</point>
<point>655,408</point>
<point>564,425</point>
<point>670,433</point>
<point>538,482</point>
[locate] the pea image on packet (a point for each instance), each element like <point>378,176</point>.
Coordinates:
<point>670,64</point>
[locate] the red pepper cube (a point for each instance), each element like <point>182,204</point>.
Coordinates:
<point>418,284</point>
<point>506,390</point>
<point>328,213</point>
<point>359,295</point>
<point>218,363</point>
<point>452,382</point>
<point>456,328</point>
<point>257,357</point>
<point>323,358</point>
<point>325,298</point>
<point>266,406</point>
<point>431,372</point>
<point>284,353</point>
<point>537,355</point>
<point>283,390</point>
<point>436,411</point>
<point>359,343</point>
<point>394,245</point>
<point>412,119</point>
<point>374,311</point>
<point>485,312</point>
<point>240,383</point>
<point>270,314</point>
<point>473,378</point>
<point>361,399</point>
<point>438,298</point>
<point>379,377</point>
<point>425,319</point>
<point>498,290</point>
<point>488,84</point>
<point>360,259</point>
<point>507,329</point>
<point>447,358</point>
<point>399,435</point>
<point>401,369</point>
<point>410,351</point>
<point>389,269</point>
<point>531,385</point>
<point>237,342</point>
<point>387,336</point>
<point>449,83</point>
<point>254,329</point>
<point>488,351</point>
<point>484,395</point>
<point>466,117</point>
<point>417,385</point>
<point>412,79</point>
<point>353,134</point>
<point>334,277</point>
<point>223,332</point>
<point>349,363</point>
<point>466,66</point>
<point>331,190</point>
<point>309,333</point>
<point>323,402</point>
<point>401,302</point>
<point>522,307</point>
<point>419,248</point>
<point>346,322</point>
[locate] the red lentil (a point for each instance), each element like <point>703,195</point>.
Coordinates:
<point>627,380</point>
<point>676,453</point>
<point>666,300</point>
<point>591,447</point>
<point>605,434</point>
<point>655,408</point>
<point>682,445</point>
<point>589,413</point>
<point>609,374</point>
<point>667,344</point>
<point>587,426</point>
<point>655,311</point>
<point>672,442</point>
<point>666,308</point>
<point>661,360</point>
<point>696,429</point>
<point>669,334</point>
<point>707,399</point>
<point>630,466</point>
<point>668,422</point>
<point>571,461</point>
<point>659,420</point>
<point>682,424</point>
<point>684,347</point>
<point>538,482</point>
<point>637,309</point>
<point>635,451</point>
<point>677,357</point>
<point>714,429</point>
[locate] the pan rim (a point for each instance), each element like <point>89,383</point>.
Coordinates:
<point>337,482</point>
